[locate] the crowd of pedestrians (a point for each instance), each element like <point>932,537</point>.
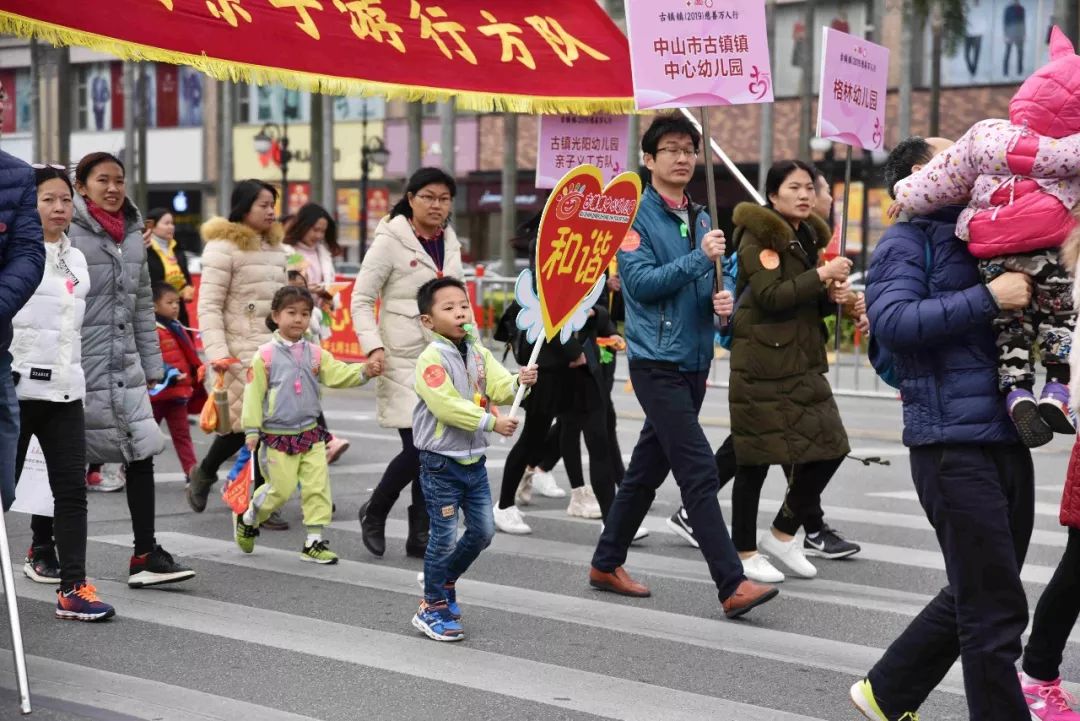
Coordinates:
<point>96,349</point>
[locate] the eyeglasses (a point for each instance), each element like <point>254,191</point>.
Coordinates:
<point>679,152</point>
<point>433,200</point>
<point>42,166</point>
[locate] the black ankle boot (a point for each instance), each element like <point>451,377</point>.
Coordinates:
<point>373,529</point>
<point>419,527</point>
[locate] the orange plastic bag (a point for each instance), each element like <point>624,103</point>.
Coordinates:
<point>237,493</point>
<point>214,417</point>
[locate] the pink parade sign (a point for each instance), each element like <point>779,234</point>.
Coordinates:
<point>854,83</point>
<point>692,53</point>
<point>567,141</point>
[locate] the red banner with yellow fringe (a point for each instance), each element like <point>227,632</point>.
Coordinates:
<point>554,56</point>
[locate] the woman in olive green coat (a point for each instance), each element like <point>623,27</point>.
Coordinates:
<point>782,408</point>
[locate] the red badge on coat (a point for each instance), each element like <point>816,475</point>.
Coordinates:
<point>434,376</point>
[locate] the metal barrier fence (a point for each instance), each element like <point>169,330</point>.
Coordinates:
<point>850,372</point>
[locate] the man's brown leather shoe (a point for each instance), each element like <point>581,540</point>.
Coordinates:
<point>747,596</point>
<point>618,581</point>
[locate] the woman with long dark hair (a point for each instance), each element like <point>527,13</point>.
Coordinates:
<point>243,265</point>
<point>311,242</point>
<point>415,243</point>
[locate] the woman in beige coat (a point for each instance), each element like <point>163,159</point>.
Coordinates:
<point>243,265</point>
<point>413,245</point>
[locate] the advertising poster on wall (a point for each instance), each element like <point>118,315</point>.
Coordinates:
<point>1005,41</point>
<point>792,54</point>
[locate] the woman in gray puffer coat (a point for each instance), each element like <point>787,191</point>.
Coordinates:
<point>121,356</point>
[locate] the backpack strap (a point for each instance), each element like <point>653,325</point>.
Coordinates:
<point>266,352</point>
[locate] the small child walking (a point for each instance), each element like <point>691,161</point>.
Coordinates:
<point>281,416</point>
<point>459,383</point>
<point>183,369</point>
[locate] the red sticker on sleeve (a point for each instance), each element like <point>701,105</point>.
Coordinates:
<point>770,259</point>
<point>250,374</point>
<point>434,376</point>
<point>631,241</point>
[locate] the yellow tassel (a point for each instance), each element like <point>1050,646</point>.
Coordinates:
<point>13,24</point>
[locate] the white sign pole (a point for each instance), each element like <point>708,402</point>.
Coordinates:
<point>13,620</point>
<point>521,389</point>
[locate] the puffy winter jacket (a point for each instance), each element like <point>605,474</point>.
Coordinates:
<point>22,257</point>
<point>120,352</point>
<point>47,346</point>
<point>668,284</point>
<point>937,326</point>
<point>1022,174</point>
<point>177,351</point>
<point>241,271</point>
<point>394,268</point>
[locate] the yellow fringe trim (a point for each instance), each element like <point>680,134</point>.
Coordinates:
<point>57,35</point>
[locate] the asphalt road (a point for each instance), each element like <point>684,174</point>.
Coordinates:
<point>268,637</point>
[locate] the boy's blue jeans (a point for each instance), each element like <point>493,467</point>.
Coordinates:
<point>450,486</point>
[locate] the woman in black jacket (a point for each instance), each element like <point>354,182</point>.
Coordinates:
<point>165,258</point>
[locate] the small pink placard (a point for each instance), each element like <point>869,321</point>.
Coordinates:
<point>691,53</point>
<point>854,83</point>
<point>567,141</point>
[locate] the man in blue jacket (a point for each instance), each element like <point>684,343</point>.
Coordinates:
<point>667,265</point>
<point>975,480</point>
<point>22,260</point>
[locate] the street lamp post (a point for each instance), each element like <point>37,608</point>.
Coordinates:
<point>268,135</point>
<point>372,151</point>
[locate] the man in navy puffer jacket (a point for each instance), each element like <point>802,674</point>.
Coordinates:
<point>22,260</point>
<point>974,479</point>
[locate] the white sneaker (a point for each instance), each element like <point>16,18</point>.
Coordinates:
<point>757,568</point>
<point>639,534</point>
<point>544,484</point>
<point>113,478</point>
<point>523,495</point>
<point>790,554</point>
<point>582,505</point>
<point>510,520</point>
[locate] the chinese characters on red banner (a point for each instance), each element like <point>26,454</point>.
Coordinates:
<point>450,33</point>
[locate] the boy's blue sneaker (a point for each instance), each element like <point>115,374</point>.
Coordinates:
<point>451,601</point>
<point>435,621</point>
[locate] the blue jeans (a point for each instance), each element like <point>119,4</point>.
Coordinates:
<point>9,430</point>
<point>450,486</point>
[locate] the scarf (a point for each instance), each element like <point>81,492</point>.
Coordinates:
<point>113,223</point>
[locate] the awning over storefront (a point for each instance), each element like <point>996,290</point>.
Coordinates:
<point>555,56</point>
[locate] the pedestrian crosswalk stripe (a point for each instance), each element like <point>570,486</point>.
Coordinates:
<point>86,691</point>
<point>717,634</point>
<point>573,689</point>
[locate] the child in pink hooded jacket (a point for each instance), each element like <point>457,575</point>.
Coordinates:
<point>1022,177</point>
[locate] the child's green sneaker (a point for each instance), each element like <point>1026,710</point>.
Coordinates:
<point>318,552</point>
<point>244,534</point>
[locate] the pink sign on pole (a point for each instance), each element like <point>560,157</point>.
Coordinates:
<point>691,53</point>
<point>567,141</point>
<point>854,83</point>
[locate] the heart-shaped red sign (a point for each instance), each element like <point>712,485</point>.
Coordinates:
<point>580,231</point>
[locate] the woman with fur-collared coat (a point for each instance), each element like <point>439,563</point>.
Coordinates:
<point>782,408</point>
<point>243,265</point>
